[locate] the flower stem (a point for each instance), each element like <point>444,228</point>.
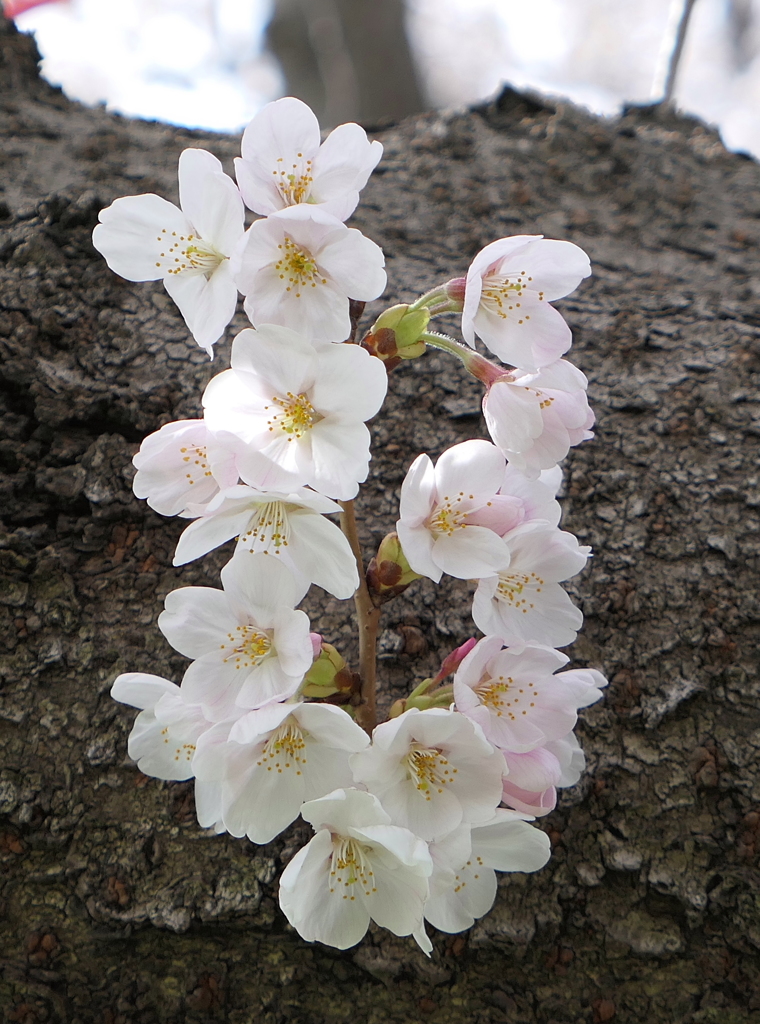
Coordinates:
<point>368,618</point>
<point>480,367</point>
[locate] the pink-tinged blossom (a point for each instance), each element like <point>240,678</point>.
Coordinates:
<point>249,644</point>
<point>508,289</point>
<point>291,527</point>
<point>525,602</point>
<point>181,464</point>
<point>521,500</point>
<point>298,268</point>
<point>533,778</point>
<point>536,418</point>
<point>146,238</point>
<point>283,163</point>
<point>514,696</point>
<point>295,415</point>
<point>463,883</point>
<point>448,511</point>
<point>358,868</point>
<point>432,770</point>
<point>272,760</point>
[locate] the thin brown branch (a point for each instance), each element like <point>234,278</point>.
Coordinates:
<point>368,618</point>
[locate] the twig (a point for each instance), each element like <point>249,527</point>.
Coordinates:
<point>368,618</point>
<point>675,56</point>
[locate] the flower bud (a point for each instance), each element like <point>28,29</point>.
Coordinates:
<point>395,334</point>
<point>454,292</point>
<point>328,675</point>
<point>452,661</point>
<point>389,573</point>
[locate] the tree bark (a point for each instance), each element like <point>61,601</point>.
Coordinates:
<point>115,907</point>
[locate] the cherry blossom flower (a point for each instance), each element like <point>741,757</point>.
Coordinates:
<point>463,883</point>
<point>442,509</point>
<point>146,238</point>
<point>283,163</point>
<point>289,526</point>
<point>165,733</point>
<point>180,464</point>
<point>357,868</point>
<point>508,289</point>
<point>299,267</point>
<point>534,777</point>
<point>165,737</point>
<point>514,696</point>
<point>248,643</point>
<point>271,760</point>
<point>535,418</point>
<point>294,415</point>
<point>525,602</point>
<point>432,770</point>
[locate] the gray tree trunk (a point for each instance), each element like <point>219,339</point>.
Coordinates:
<point>115,907</point>
<point>348,59</point>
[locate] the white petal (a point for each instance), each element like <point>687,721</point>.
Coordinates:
<point>207,304</point>
<point>284,359</point>
<point>475,467</point>
<point>509,845</point>
<point>418,491</point>
<point>208,533</point>
<point>470,553</point>
<point>356,265</point>
<point>141,690</point>
<point>210,200</point>
<point>259,582</point>
<point>194,619</point>
<point>349,382</point>
<point>128,235</point>
<point>323,555</point>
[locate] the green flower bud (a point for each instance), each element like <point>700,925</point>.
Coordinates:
<point>328,675</point>
<point>389,573</point>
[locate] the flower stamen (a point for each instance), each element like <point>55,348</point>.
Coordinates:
<point>187,254</point>
<point>298,267</point>
<point>429,770</point>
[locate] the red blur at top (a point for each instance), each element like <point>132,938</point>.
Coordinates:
<point>12,8</point>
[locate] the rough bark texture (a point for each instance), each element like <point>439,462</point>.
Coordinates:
<point>115,907</point>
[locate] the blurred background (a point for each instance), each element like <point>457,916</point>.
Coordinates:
<point>213,63</point>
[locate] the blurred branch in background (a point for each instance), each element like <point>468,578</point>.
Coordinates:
<point>348,59</point>
<point>675,57</point>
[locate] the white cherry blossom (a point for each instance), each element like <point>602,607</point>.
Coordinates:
<point>463,883</point>
<point>295,415</point>
<point>283,163</point>
<point>289,526</point>
<point>272,760</point>
<point>432,770</point>
<point>299,267</point>
<point>165,733</point>
<point>180,464</point>
<point>165,737</point>
<point>146,238</point>
<point>514,696</point>
<point>535,418</point>
<point>248,643</point>
<point>442,508</point>
<point>525,602</point>
<point>357,868</point>
<point>508,289</point>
